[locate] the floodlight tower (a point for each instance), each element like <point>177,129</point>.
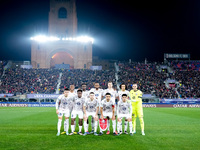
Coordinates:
<point>49,51</point>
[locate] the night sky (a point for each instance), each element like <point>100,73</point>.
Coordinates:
<point>121,29</point>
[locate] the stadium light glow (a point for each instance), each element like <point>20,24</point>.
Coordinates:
<point>43,38</point>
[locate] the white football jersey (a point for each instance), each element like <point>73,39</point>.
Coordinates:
<point>74,93</point>
<point>91,106</point>
<point>97,93</point>
<point>85,94</point>
<point>120,93</point>
<point>112,92</point>
<point>124,108</point>
<point>64,103</point>
<point>78,103</point>
<point>107,106</point>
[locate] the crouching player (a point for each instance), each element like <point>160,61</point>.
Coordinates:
<point>77,110</point>
<point>63,106</point>
<point>124,109</point>
<point>91,108</point>
<point>107,109</point>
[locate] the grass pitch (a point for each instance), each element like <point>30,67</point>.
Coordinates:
<point>36,128</point>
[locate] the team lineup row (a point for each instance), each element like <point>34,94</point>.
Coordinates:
<point>103,105</point>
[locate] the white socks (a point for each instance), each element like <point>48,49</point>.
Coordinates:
<point>59,124</point>
<point>72,128</point>
<point>114,125</point>
<point>95,126</point>
<point>66,125</point>
<point>130,127</point>
<point>80,127</point>
<point>118,126</point>
<point>85,126</point>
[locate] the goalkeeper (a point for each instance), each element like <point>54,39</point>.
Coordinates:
<point>137,110</point>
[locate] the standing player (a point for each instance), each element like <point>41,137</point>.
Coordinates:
<point>91,108</point>
<point>110,90</point>
<point>72,90</point>
<point>137,110</point>
<point>63,106</point>
<point>77,111</point>
<point>97,94</point>
<point>120,93</point>
<point>72,93</point>
<point>85,92</point>
<point>113,93</point>
<point>108,111</point>
<point>124,110</point>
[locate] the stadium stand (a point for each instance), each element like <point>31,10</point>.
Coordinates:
<point>150,79</point>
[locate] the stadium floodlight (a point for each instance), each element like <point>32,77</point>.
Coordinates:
<point>43,38</point>
<point>39,38</point>
<point>85,39</point>
<point>52,38</point>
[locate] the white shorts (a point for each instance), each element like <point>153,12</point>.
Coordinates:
<point>91,114</point>
<point>65,112</point>
<point>107,115</point>
<point>120,116</point>
<point>75,113</point>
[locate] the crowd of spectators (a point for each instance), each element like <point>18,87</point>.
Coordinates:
<point>185,65</point>
<point>149,80</point>
<point>189,83</point>
<point>89,77</point>
<point>24,81</point>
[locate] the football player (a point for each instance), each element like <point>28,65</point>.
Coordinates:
<point>63,105</point>
<point>120,93</point>
<point>91,108</point>
<point>77,111</point>
<point>137,109</point>
<point>124,110</point>
<point>108,111</point>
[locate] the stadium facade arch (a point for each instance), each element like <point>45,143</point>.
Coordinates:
<point>62,24</point>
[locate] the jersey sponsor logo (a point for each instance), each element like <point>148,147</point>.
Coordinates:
<point>107,107</point>
<point>124,108</point>
<point>78,103</point>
